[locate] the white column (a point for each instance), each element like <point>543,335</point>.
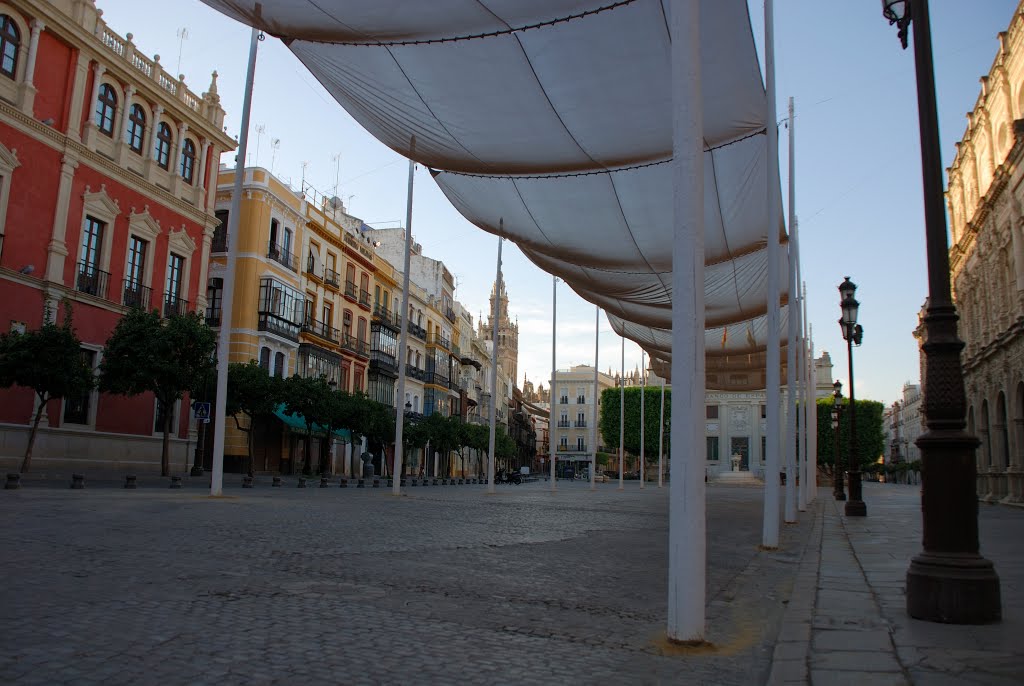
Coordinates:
<point>686,548</point>
<point>403,334</point>
<point>661,439</point>
<point>201,169</point>
<point>554,370</point>
<point>643,417</point>
<point>57,249</point>
<point>147,149</point>
<point>812,437</point>
<point>597,395</point>
<point>176,164</point>
<point>792,341</point>
<point>123,120</point>
<point>224,342</point>
<point>81,76</point>
<point>33,50</point>
<point>770,525</point>
<point>494,370</point>
<point>622,414</point>
<point>90,120</point>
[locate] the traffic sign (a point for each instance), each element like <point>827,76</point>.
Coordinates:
<point>201,410</point>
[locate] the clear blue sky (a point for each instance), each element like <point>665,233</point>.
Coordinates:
<point>858,166</point>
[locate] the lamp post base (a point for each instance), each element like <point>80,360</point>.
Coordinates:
<point>856,508</point>
<point>953,588</point>
<point>839,495</point>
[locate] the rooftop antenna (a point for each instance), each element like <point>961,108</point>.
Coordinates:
<point>275,143</point>
<point>182,35</point>
<point>348,203</point>
<point>260,129</point>
<point>336,158</point>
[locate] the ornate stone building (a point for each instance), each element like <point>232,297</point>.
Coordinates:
<point>508,333</point>
<point>987,267</point>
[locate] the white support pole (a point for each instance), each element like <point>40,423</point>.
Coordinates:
<point>403,336</point>
<point>622,415</point>
<point>803,494</point>
<point>494,369</point>
<point>597,395</point>
<point>661,439</point>
<point>554,370</point>
<point>770,525</point>
<point>643,416</point>
<point>227,303</point>
<point>687,553</point>
<point>792,343</point>
<point>812,419</point>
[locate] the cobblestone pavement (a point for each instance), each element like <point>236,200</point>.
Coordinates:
<point>443,585</point>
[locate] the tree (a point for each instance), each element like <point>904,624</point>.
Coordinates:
<point>476,437</point>
<point>870,436</point>
<point>414,437</point>
<point>378,426</point>
<point>252,392</point>
<point>608,422</point>
<point>443,433</point>
<point>48,360</point>
<point>307,398</point>
<point>166,357</point>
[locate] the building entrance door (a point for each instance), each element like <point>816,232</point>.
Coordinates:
<point>741,446</point>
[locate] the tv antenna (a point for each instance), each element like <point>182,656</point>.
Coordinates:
<point>182,35</point>
<point>260,130</point>
<point>275,143</point>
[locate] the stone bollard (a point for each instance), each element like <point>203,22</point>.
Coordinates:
<point>324,483</point>
<point>78,481</point>
<point>462,481</point>
<point>361,484</point>
<point>344,482</point>
<point>276,483</point>
<point>129,481</point>
<point>403,482</point>
<point>13,481</point>
<point>247,481</point>
<point>175,482</point>
<point>302,482</point>
<point>376,482</point>
<point>391,482</point>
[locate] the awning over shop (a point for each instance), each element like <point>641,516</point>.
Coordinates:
<point>296,422</point>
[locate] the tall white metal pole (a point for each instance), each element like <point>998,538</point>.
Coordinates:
<point>812,415</point>
<point>687,554</point>
<point>801,336</point>
<point>643,416</point>
<point>554,369</point>
<point>597,396</point>
<point>403,336</point>
<point>494,368</point>
<point>622,415</point>
<point>792,343</point>
<point>661,439</point>
<point>770,525</point>
<point>227,303</point>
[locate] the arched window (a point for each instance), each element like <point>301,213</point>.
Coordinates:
<point>10,41</point>
<point>136,128</point>
<point>163,145</point>
<point>106,106</point>
<point>265,358</point>
<point>188,160</point>
<point>279,365</point>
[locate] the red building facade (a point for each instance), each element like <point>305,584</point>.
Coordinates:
<point>108,168</point>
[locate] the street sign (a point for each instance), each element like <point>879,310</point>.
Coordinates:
<point>201,411</point>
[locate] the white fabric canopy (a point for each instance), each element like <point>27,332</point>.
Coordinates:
<point>553,119</point>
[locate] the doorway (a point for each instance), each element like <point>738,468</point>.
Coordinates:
<point>740,445</point>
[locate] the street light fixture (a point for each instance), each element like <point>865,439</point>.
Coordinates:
<point>852,332</point>
<point>949,581</point>
<point>837,467</point>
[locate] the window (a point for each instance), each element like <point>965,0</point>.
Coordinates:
<point>92,238</point>
<point>328,314</point>
<point>357,380</point>
<point>580,445</point>
<point>279,365</point>
<point>711,411</point>
<point>346,323</point>
<point>361,330</point>
<point>265,358</point>
<point>172,294</point>
<point>287,244</point>
<point>163,145</point>
<point>76,409</point>
<point>220,232</point>
<point>712,447</point>
<point>106,106</point>
<point>214,300</point>
<point>10,41</point>
<point>345,367</point>
<point>136,128</point>
<point>136,261</point>
<point>764,412</point>
<point>764,446</point>
<point>188,160</point>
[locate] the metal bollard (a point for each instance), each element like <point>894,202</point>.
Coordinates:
<point>276,482</point>
<point>344,482</point>
<point>13,481</point>
<point>302,482</point>
<point>175,482</point>
<point>129,481</point>
<point>78,481</point>
<point>324,483</point>
<point>247,481</point>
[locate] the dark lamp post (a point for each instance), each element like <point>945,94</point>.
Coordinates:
<point>949,581</point>
<point>852,332</point>
<point>837,459</point>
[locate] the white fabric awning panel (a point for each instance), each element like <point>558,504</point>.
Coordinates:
<point>549,122</point>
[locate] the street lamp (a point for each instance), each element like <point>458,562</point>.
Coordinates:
<point>949,581</point>
<point>852,333</point>
<point>837,459</point>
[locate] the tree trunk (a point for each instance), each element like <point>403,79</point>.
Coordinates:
<point>307,467</point>
<point>27,462</point>
<point>248,447</point>
<point>165,450</point>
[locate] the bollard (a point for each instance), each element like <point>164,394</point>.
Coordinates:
<point>277,482</point>
<point>391,482</point>
<point>175,482</point>
<point>246,481</point>
<point>302,482</point>
<point>344,482</point>
<point>78,481</point>
<point>324,483</point>
<point>403,482</point>
<point>129,481</point>
<point>13,481</point>
<point>361,484</point>
<point>376,482</point>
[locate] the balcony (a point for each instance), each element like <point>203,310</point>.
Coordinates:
<point>383,363</point>
<point>321,329</point>
<point>418,331</point>
<point>353,344</point>
<point>351,292</point>
<point>92,280</point>
<point>438,339</point>
<point>364,299</point>
<point>311,269</point>
<point>581,400</point>
<point>332,278</point>
<point>220,241</point>
<point>564,400</point>
<point>274,323</point>
<point>174,306</point>
<point>437,379</point>
<point>383,315</point>
<point>415,373</point>
<point>580,424</point>
<point>213,318</point>
<point>136,295</point>
<point>283,256</point>
<point>450,313</point>
<point>564,424</point>
<point>572,448</point>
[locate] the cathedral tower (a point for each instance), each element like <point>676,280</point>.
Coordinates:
<point>508,333</point>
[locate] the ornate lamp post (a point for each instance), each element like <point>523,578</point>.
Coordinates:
<point>837,459</point>
<point>949,581</point>
<point>852,333</point>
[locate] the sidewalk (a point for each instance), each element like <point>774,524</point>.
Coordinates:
<point>847,624</point>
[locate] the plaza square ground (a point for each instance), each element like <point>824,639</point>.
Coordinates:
<point>450,585</point>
